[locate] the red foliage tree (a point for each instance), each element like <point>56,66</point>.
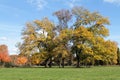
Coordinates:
<point>4,56</point>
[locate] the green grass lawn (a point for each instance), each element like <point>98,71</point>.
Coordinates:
<point>93,73</point>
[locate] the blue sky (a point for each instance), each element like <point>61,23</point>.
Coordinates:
<point>15,13</point>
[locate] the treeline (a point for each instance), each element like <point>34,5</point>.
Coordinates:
<point>77,39</point>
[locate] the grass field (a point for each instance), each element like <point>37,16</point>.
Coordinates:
<point>94,73</point>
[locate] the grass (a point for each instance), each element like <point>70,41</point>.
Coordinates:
<point>94,73</point>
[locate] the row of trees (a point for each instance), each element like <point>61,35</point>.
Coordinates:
<point>7,60</point>
<point>77,39</point>
<point>82,41</point>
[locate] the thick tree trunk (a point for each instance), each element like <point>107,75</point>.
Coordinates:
<point>70,60</point>
<point>78,61</point>
<point>46,62</point>
<point>50,64</point>
<point>2,64</point>
<point>63,64</point>
<point>59,63</point>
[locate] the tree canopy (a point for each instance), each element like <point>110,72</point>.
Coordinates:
<point>82,43</point>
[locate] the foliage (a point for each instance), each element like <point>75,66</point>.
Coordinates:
<point>84,39</point>
<point>37,58</point>
<point>21,60</point>
<point>4,56</point>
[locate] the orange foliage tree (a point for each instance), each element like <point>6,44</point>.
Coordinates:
<point>21,60</point>
<point>4,56</point>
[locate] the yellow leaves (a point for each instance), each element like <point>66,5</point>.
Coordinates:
<point>99,22</point>
<point>103,21</point>
<point>79,46</point>
<point>82,35</point>
<point>88,60</point>
<point>97,57</point>
<point>48,37</point>
<point>87,51</point>
<point>45,24</point>
<point>61,50</point>
<point>105,51</point>
<point>66,33</point>
<point>37,58</point>
<point>86,36</point>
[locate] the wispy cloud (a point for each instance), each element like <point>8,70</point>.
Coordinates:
<point>3,38</point>
<point>40,4</point>
<point>72,3</point>
<point>113,1</point>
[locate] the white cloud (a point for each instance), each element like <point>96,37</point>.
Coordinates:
<point>72,3</point>
<point>13,51</point>
<point>40,4</point>
<point>113,1</point>
<point>3,38</point>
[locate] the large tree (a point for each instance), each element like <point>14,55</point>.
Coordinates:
<point>64,34</point>
<point>45,41</point>
<point>89,27</point>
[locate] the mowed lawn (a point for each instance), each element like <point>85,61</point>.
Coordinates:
<point>93,73</point>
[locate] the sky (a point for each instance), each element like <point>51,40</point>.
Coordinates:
<point>14,14</point>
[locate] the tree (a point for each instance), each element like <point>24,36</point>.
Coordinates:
<point>118,56</point>
<point>64,16</point>
<point>37,58</point>
<point>39,37</point>
<point>105,52</point>
<point>21,60</point>
<point>87,29</point>
<point>82,39</point>
<point>62,50</point>
<point>4,56</point>
<point>43,41</point>
<point>47,39</point>
<point>64,35</point>
<point>29,36</point>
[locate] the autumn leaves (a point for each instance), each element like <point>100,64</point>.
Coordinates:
<point>81,42</point>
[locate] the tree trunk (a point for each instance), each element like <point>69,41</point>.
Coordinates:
<point>50,64</point>
<point>63,64</point>
<point>46,62</point>
<point>78,61</point>
<point>2,64</point>
<point>59,63</point>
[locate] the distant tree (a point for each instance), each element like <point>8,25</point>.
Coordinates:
<point>21,60</point>
<point>4,56</point>
<point>118,56</point>
<point>13,60</point>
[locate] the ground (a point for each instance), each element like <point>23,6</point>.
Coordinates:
<point>93,73</point>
